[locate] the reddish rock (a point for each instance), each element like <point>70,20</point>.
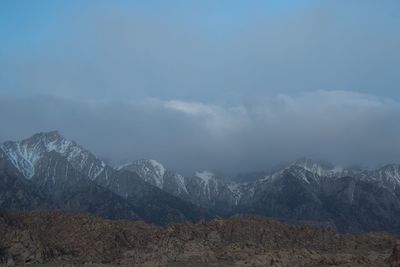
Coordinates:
<point>394,259</point>
<point>84,239</point>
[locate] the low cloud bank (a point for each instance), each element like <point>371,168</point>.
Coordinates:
<point>339,126</point>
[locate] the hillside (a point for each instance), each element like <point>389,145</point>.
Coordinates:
<point>54,237</point>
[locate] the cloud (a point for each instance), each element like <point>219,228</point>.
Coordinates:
<point>192,108</point>
<point>339,126</point>
<point>217,119</point>
<point>120,53</point>
<point>195,90</point>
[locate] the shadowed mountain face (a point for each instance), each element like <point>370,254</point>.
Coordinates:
<point>56,185</point>
<point>351,200</point>
<point>17,193</point>
<point>349,203</point>
<point>70,178</point>
<point>47,171</point>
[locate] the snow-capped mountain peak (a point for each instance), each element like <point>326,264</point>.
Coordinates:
<point>392,173</point>
<point>205,176</point>
<point>296,171</point>
<point>159,168</point>
<point>322,169</point>
<point>313,166</point>
<point>388,175</point>
<point>150,171</point>
<point>26,153</point>
<point>153,172</point>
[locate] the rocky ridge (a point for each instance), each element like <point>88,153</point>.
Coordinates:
<point>70,178</point>
<point>47,171</point>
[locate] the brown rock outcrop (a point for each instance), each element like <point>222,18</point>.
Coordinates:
<point>394,259</point>
<point>84,239</point>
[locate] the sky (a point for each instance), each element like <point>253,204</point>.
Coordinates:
<point>232,86</point>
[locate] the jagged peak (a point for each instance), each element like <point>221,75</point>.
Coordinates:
<point>309,163</point>
<point>320,168</point>
<point>205,176</point>
<point>154,172</point>
<point>389,174</point>
<point>25,153</point>
<point>51,136</point>
<point>149,170</point>
<point>144,162</point>
<point>390,167</point>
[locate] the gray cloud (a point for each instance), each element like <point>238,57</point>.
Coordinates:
<point>339,126</point>
<point>103,54</point>
<point>318,82</point>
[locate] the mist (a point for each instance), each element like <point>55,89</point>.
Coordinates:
<point>337,126</point>
<point>212,86</point>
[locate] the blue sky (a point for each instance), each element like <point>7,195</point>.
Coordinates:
<point>254,81</point>
<point>32,24</point>
<point>349,38</point>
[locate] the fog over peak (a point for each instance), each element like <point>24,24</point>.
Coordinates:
<point>337,126</point>
<point>216,85</point>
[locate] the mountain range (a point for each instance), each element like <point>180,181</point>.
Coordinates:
<point>49,172</point>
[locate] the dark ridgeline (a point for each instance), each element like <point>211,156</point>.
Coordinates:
<point>49,172</point>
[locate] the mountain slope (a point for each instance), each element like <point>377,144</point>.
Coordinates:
<point>153,204</point>
<point>351,203</point>
<point>204,188</point>
<point>47,171</point>
<point>52,188</point>
<point>26,153</point>
<point>79,181</point>
<point>305,190</point>
<point>17,193</point>
<point>156,174</point>
<point>212,191</point>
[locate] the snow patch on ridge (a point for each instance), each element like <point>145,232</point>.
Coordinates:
<point>180,181</point>
<point>153,172</point>
<point>20,159</point>
<point>26,153</point>
<point>205,176</point>
<point>237,191</point>
<point>150,171</point>
<point>159,168</point>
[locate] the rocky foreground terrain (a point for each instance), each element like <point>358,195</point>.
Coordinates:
<point>59,239</point>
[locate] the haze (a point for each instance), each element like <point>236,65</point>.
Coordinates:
<point>218,85</point>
